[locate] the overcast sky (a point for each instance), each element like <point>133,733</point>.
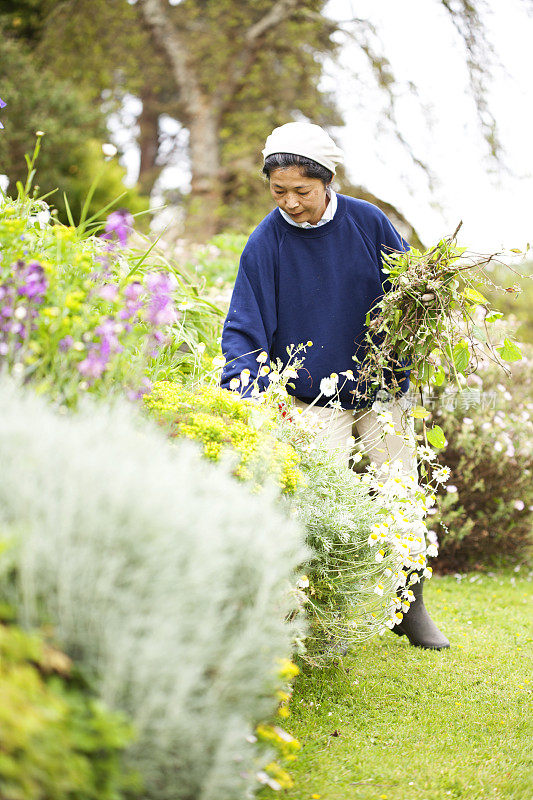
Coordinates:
<point>423,47</point>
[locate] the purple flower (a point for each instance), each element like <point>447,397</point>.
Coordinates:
<point>2,105</point>
<point>20,295</point>
<point>100,352</point>
<point>119,222</point>
<point>108,291</point>
<point>132,293</point>
<point>160,310</point>
<point>146,386</point>
<point>66,343</point>
<point>93,366</point>
<point>109,343</point>
<point>33,283</point>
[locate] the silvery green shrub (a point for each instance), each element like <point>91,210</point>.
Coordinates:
<point>165,579</point>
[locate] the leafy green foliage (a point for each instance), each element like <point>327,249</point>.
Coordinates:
<point>509,351</point>
<point>432,320</point>
<point>58,741</point>
<point>436,437</point>
<point>93,327</point>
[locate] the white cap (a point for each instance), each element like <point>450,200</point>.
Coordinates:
<point>304,139</point>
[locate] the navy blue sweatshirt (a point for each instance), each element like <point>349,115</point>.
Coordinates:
<point>300,284</point>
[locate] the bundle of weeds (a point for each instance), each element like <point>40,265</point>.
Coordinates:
<point>432,319</point>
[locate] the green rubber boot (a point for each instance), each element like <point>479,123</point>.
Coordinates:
<point>418,626</point>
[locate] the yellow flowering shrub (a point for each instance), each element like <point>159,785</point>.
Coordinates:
<point>221,420</point>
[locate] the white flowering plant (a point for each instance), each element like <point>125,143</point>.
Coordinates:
<point>484,515</point>
<point>361,528</point>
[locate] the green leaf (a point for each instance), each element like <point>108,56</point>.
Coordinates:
<point>419,412</point>
<point>425,371</point>
<point>461,356</point>
<point>509,351</point>
<point>474,296</point>
<point>493,316</point>
<point>439,376</point>
<point>479,333</point>
<point>436,437</point>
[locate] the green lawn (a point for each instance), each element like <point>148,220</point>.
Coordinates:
<point>393,722</point>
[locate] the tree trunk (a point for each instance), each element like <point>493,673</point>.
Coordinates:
<point>206,185</point>
<point>202,123</point>
<point>148,140</point>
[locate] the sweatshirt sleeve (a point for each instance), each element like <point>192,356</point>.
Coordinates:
<point>252,318</point>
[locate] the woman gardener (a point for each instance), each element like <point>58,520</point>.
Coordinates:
<point>311,270</point>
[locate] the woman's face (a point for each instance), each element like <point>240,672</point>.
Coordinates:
<point>304,199</point>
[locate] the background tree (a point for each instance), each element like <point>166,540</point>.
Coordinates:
<point>72,117</point>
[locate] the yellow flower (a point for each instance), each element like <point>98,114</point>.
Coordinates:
<point>280,775</point>
<point>287,668</point>
<point>73,300</point>
<point>63,232</point>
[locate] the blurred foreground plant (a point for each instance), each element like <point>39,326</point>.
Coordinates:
<point>165,579</point>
